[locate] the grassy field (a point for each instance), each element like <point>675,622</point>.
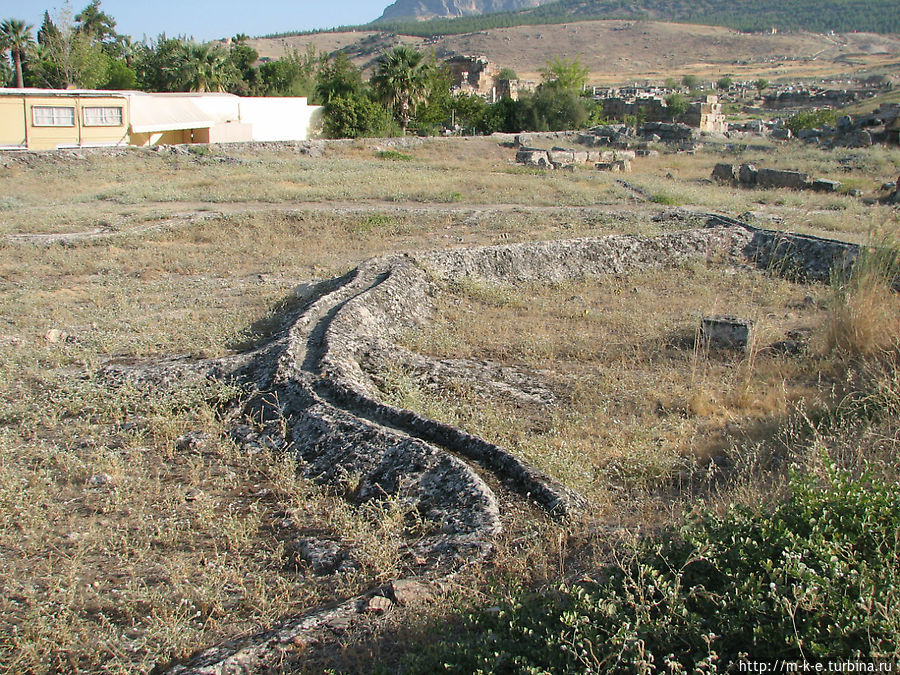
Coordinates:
<point>125,544</point>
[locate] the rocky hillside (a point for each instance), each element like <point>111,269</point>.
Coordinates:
<point>430,9</point>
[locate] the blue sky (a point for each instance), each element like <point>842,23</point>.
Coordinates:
<point>210,19</point>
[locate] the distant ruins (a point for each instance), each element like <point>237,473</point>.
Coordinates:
<point>705,115</point>
<point>477,76</point>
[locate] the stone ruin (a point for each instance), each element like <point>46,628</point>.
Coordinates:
<point>476,75</point>
<point>567,158</point>
<point>705,116</point>
<point>880,126</point>
<point>315,395</point>
<point>747,175</point>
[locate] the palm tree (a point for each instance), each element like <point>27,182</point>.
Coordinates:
<point>401,80</point>
<point>204,67</point>
<point>15,37</point>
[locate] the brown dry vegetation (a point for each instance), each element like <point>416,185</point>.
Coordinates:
<point>637,398</point>
<point>122,549</point>
<point>618,52</point>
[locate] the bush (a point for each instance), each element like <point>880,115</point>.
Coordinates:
<point>811,119</point>
<point>817,577</point>
<point>357,117</point>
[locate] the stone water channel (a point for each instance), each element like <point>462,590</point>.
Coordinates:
<point>314,397</point>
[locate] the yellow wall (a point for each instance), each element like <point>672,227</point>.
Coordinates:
<point>95,135</point>
<point>15,126</point>
<point>12,122</point>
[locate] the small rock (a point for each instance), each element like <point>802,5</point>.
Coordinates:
<point>378,604</point>
<point>727,332</point>
<point>193,495</point>
<point>55,336</point>
<point>407,592</point>
<point>340,624</point>
<point>99,480</point>
<point>193,440</point>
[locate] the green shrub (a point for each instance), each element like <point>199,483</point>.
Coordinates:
<point>393,155</point>
<point>811,119</point>
<point>816,577</point>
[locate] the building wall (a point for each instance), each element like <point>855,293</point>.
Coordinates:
<point>12,122</point>
<point>280,119</point>
<point>227,119</point>
<point>78,134</point>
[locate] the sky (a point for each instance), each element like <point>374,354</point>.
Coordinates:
<point>209,19</point>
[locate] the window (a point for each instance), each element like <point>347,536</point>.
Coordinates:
<point>107,116</point>
<point>53,116</point>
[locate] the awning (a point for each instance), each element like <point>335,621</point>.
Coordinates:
<point>150,113</point>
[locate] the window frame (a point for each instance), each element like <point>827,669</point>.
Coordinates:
<point>118,108</point>
<point>70,122</point>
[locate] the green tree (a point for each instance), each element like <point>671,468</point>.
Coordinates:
<point>120,75</point>
<point>435,114</point>
<point>205,67</point>
<point>338,78</point>
<point>157,64</point>
<point>724,83</point>
<point>760,85</point>
<point>401,80</point>
<point>96,24</point>
<point>690,81</point>
<point>15,38</point>
<point>677,105</point>
<point>507,74</point>
<point>552,108</point>
<point>70,57</point>
<point>243,57</point>
<point>292,75</point>
<point>356,117</point>
<point>48,30</point>
<point>564,73</point>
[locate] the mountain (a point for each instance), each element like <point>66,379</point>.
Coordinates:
<point>820,16</point>
<point>421,10</point>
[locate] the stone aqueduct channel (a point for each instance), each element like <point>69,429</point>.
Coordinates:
<point>315,398</point>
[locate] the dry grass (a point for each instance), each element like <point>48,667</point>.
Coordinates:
<point>638,400</point>
<point>113,563</point>
<point>865,317</point>
<point>632,50</point>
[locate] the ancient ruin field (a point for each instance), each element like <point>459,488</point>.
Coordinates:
<point>344,390</point>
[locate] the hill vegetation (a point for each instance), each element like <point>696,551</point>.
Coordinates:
<point>822,16</point>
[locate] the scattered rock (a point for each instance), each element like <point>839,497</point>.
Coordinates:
<point>782,134</point>
<point>823,185</point>
<point>193,495</point>
<point>727,173</point>
<point>409,592</point>
<point>726,332</point>
<point>55,336</point>
<point>779,178</point>
<point>100,480</point>
<point>747,174</point>
<point>378,604</point>
<point>191,441</point>
<point>323,556</point>
<point>617,166</point>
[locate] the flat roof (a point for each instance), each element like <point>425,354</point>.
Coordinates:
<point>29,91</point>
